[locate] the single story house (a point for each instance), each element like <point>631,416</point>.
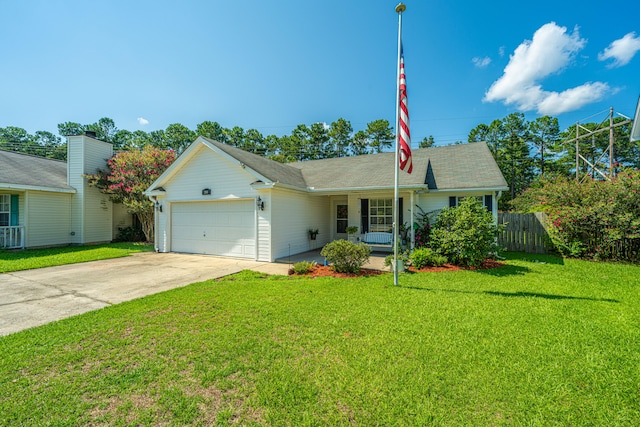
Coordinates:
<point>45,202</point>
<point>218,199</point>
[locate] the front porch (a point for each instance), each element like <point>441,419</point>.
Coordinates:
<point>12,237</point>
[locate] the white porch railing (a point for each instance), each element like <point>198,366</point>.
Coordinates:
<point>12,237</point>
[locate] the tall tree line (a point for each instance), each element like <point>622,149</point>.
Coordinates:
<point>524,150</point>
<point>317,141</point>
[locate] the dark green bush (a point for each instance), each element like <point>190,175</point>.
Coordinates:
<point>345,256</point>
<point>466,234</point>
<point>304,267</point>
<point>423,257</point>
<point>130,234</point>
<point>422,226</point>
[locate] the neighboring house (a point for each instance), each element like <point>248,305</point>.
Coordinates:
<point>45,202</point>
<point>218,199</point>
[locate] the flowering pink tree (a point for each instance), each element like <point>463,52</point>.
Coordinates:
<point>591,219</point>
<point>129,174</point>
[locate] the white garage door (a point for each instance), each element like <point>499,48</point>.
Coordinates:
<point>216,228</point>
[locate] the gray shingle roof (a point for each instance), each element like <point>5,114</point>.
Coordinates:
<point>19,169</point>
<point>275,171</point>
<point>453,167</point>
<point>462,166</point>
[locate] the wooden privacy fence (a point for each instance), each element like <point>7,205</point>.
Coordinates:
<point>524,232</point>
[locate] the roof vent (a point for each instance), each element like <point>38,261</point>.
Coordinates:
<point>90,133</point>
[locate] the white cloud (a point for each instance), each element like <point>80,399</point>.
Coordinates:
<point>621,50</point>
<point>572,99</point>
<point>501,51</point>
<point>550,51</point>
<point>142,121</point>
<point>481,62</point>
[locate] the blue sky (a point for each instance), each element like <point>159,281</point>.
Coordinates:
<point>271,65</point>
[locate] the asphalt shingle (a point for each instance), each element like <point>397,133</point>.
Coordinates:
<point>26,170</point>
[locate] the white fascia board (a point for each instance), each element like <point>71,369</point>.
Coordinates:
<point>154,193</point>
<point>468,190</point>
<point>365,189</point>
<point>36,188</point>
<point>262,185</point>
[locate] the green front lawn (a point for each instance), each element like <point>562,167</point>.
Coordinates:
<point>49,257</point>
<point>544,341</point>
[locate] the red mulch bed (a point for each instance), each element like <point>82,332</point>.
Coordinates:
<point>325,271</point>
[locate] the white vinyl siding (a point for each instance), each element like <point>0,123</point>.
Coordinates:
<point>121,218</point>
<point>217,228</point>
<point>207,169</point>
<point>48,219</point>
<point>431,202</point>
<point>187,213</point>
<point>91,211</point>
<point>292,215</point>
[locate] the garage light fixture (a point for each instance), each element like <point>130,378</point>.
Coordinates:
<point>158,206</point>
<point>259,204</point>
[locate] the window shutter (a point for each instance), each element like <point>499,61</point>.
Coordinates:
<point>14,217</point>
<point>488,202</point>
<point>364,215</point>
<point>400,221</point>
<point>452,201</point>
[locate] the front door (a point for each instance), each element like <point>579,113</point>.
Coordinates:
<point>341,218</point>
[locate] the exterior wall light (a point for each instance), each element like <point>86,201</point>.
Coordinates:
<point>206,191</point>
<point>158,206</point>
<point>259,204</point>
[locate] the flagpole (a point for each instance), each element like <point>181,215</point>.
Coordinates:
<point>399,9</point>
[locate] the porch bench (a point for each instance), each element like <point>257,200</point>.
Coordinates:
<point>378,238</point>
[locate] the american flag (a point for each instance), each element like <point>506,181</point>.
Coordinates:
<point>404,136</point>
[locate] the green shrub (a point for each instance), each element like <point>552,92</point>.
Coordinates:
<point>422,226</point>
<point>130,234</point>
<point>423,257</point>
<point>304,267</point>
<point>466,234</point>
<point>345,256</point>
<point>590,219</point>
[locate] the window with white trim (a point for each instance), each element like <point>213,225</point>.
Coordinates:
<point>486,200</point>
<point>5,209</point>
<point>381,215</point>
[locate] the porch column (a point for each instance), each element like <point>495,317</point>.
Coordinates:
<point>354,213</point>
<point>413,231</point>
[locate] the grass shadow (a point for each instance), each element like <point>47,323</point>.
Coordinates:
<point>504,271</point>
<point>535,258</point>
<point>515,294</point>
<point>546,296</point>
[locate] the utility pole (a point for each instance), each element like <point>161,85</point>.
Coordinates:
<point>598,165</point>
<point>611,142</point>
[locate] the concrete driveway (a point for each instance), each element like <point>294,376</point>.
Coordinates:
<point>36,297</point>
